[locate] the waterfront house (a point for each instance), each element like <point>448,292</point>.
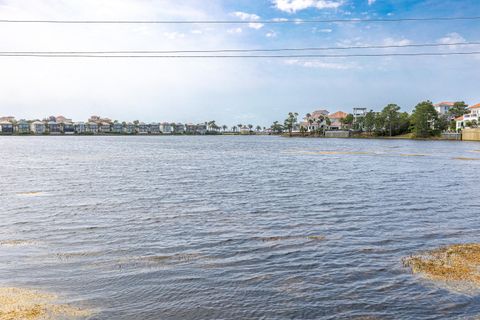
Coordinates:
<point>53,127</point>
<point>22,127</point>
<point>129,128</point>
<point>91,127</point>
<point>190,128</point>
<point>336,120</point>
<point>167,128</point>
<point>117,127</point>
<point>460,123</point>
<point>154,128</point>
<point>38,127</point>
<point>67,128</point>
<point>104,127</point>
<point>142,128</point>
<point>6,127</point>
<point>244,130</point>
<point>201,128</point>
<point>80,127</point>
<point>7,119</point>
<point>469,119</point>
<point>179,128</point>
<point>315,120</point>
<point>62,119</point>
<point>443,107</point>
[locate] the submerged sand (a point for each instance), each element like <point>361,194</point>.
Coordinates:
<point>454,263</point>
<point>25,304</point>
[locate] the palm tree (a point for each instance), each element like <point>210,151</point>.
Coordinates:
<point>258,128</point>
<point>224,127</point>
<point>319,123</point>
<point>234,128</point>
<point>250,126</point>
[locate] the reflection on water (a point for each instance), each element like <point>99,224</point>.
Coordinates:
<point>235,227</point>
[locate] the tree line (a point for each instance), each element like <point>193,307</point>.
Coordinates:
<point>423,122</point>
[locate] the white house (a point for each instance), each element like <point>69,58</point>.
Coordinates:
<point>443,107</point>
<point>167,128</point>
<point>315,120</point>
<point>466,119</point>
<point>37,127</point>
<point>6,127</point>
<point>80,127</point>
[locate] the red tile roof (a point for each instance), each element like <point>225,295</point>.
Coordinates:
<point>445,103</point>
<point>476,106</point>
<point>459,118</point>
<point>338,115</point>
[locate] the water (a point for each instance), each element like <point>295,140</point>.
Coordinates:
<point>231,227</point>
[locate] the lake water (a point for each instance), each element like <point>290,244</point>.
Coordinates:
<point>236,227</point>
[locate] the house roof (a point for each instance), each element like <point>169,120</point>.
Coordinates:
<point>319,112</point>
<point>445,103</point>
<point>459,118</point>
<point>475,106</point>
<point>338,115</point>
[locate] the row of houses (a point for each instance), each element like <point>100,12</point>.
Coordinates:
<point>95,125</point>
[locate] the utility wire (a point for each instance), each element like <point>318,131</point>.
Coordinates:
<point>276,21</point>
<point>247,50</point>
<point>244,56</point>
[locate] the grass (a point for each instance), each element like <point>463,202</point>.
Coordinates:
<point>459,263</point>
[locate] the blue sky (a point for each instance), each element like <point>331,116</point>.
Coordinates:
<point>240,90</point>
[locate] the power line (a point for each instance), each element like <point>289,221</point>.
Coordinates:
<point>247,50</point>
<point>275,21</point>
<point>244,56</point>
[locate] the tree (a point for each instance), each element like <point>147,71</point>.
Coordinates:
<point>425,120</point>
<point>459,109</point>
<point>369,121</point>
<point>290,122</point>
<point>276,127</point>
<point>319,121</point>
<point>303,130</point>
<point>258,128</point>
<point>391,115</point>
<point>348,120</point>
<point>250,126</point>
<point>224,127</point>
<point>234,128</point>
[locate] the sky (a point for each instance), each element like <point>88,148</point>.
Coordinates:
<point>232,91</point>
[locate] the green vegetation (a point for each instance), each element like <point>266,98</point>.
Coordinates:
<point>425,120</point>
<point>290,122</point>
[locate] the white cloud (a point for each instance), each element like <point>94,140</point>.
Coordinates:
<point>244,16</point>
<point>394,42</point>
<point>452,37</point>
<point>292,6</point>
<point>235,30</point>
<point>173,35</point>
<point>370,2</point>
<point>271,34</point>
<point>319,64</point>
<point>324,30</point>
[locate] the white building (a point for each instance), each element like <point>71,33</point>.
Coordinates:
<point>80,127</point>
<point>443,107</point>
<point>466,119</point>
<point>37,127</point>
<point>166,128</point>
